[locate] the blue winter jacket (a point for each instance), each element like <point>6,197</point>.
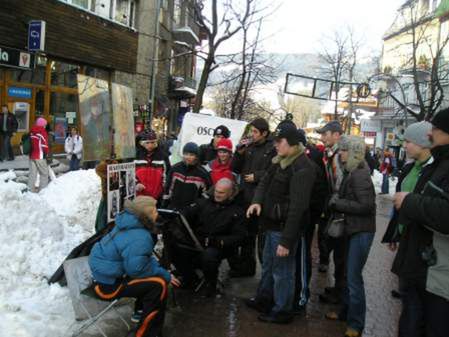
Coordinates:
<point>126,250</point>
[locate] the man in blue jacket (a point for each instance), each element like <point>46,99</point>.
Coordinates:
<point>123,265</point>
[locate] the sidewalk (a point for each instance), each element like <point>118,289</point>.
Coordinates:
<point>228,316</point>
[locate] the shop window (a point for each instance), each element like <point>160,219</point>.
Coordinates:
<point>63,108</point>
<point>101,74</point>
<point>36,76</point>
<point>39,102</point>
<point>63,74</point>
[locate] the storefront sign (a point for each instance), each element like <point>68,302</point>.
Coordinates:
<point>19,92</point>
<point>370,125</point>
<point>16,58</point>
<point>36,35</point>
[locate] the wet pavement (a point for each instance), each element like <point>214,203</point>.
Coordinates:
<point>228,316</point>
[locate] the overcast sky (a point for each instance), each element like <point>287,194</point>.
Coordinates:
<point>299,25</point>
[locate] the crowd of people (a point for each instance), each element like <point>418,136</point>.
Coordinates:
<point>265,200</point>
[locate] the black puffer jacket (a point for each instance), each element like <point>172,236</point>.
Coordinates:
<point>284,194</point>
<point>255,159</point>
<point>423,212</point>
<point>185,184</point>
<point>218,222</point>
<point>357,201</point>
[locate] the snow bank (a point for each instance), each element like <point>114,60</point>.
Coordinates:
<point>37,231</point>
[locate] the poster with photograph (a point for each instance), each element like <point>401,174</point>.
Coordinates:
<point>60,129</point>
<point>122,110</point>
<point>96,117</point>
<point>121,187</point>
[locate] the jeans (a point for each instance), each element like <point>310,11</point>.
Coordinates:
<point>74,163</point>
<point>385,184</point>
<point>278,274</point>
<point>355,299</point>
<point>303,270</point>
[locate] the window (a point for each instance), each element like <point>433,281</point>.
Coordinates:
<point>64,74</point>
<point>61,103</point>
<point>97,73</point>
<point>82,3</point>
<point>122,11</point>
<point>36,76</point>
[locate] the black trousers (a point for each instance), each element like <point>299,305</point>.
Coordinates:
<point>436,315</point>
<point>209,260</point>
<point>411,321</point>
<point>340,248</point>
<point>151,297</point>
<point>322,238</point>
<point>244,259</point>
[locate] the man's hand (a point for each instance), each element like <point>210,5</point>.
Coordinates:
<point>140,187</point>
<point>174,281</point>
<point>254,208</point>
<point>249,178</point>
<point>399,199</point>
<point>392,246</point>
<point>282,251</point>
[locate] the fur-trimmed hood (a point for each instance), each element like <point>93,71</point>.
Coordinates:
<point>356,148</point>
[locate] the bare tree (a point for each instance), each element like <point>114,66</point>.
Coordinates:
<point>426,65</point>
<point>219,26</point>
<point>304,110</point>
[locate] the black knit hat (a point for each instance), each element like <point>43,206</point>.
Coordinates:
<point>302,137</point>
<point>222,130</point>
<point>260,124</point>
<point>289,132</point>
<point>441,120</point>
<point>147,134</point>
<point>191,148</point>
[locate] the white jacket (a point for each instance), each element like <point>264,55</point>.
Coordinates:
<point>74,146</point>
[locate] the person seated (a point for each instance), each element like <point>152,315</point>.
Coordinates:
<point>187,180</point>
<point>123,265</point>
<point>218,223</point>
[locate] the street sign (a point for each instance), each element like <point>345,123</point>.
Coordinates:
<point>36,35</point>
<point>20,92</point>
<point>16,58</point>
<point>363,90</point>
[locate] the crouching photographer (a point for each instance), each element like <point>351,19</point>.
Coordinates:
<point>218,223</point>
<point>123,265</point>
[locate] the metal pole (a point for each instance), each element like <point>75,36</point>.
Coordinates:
<point>154,66</point>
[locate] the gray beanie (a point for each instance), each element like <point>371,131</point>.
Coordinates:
<point>418,133</point>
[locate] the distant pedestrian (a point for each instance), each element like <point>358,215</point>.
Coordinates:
<point>386,168</point>
<point>8,126</point>
<point>74,149</point>
<point>39,150</point>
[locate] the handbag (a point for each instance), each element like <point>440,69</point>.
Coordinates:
<point>336,226</point>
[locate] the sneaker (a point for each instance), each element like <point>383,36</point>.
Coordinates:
<point>350,332</point>
<point>137,316</point>
<point>276,318</point>
<point>299,310</point>
<point>323,268</point>
<point>259,305</point>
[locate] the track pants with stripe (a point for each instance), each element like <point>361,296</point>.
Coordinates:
<point>151,296</point>
<point>303,271</point>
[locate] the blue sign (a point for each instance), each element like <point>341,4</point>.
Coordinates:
<point>20,92</point>
<point>36,35</point>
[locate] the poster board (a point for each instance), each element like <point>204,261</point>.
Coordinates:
<point>60,128</point>
<point>96,117</point>
<point>122,110</point>
<point>199,128</point>
<point>121,183</point>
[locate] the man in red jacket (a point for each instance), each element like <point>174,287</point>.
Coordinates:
<point>39,151</point>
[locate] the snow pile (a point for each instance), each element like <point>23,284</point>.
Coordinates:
<point>377,180</point>
<point>37,231</point>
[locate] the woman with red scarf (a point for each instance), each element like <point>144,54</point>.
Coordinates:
<point>221,167</point>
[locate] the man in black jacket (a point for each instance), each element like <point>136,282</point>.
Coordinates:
<point>208,152</point>
<point>282,200</point>
<point>219,224</point>
<point>8,126</point>
<point>424,249</point>
<point>417,146</point>
<point>251,162</point>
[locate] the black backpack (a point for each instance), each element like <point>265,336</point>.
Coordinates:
<point>26,143</point>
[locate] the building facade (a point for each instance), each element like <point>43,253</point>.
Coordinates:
<point>129,42</point>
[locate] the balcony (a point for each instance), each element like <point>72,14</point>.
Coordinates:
<point>182,87</point>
